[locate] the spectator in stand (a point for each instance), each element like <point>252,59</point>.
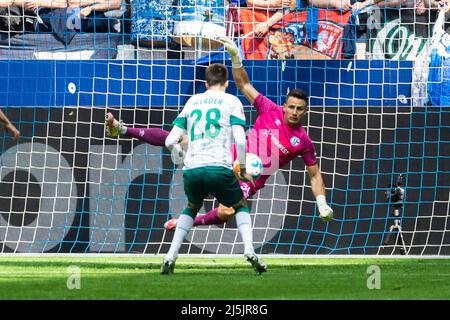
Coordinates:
<point>269,4</point>
<point>18,16</point>
<point>36,4</point>
<point>423,5</point>
<point>420,5</point>
<point>343,5</point>
<point>88,15</point>
<point>298,4</point>
<point>32,5</point>
<point>91,6</point>
<point>239,3</point>
<point>279,6</point>
<point>6,3</point>
<point>87,6</point>
<point>283,5</point>
<point>62,18</point>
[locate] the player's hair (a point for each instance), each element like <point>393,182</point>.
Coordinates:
<point>299,94</point>
<point>215,74</point>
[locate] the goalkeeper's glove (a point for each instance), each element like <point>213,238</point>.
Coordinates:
<point>326,213</point>
<point>233,50</point>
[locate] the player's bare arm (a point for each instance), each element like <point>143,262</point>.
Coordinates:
<point>318,190</point>
<point>317,184</point>
<point>9,127</point>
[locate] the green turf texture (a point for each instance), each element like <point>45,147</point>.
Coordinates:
<point>223,278</point>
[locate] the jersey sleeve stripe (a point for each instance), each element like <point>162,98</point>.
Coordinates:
<point>236,121</point>
<point>180,122</point>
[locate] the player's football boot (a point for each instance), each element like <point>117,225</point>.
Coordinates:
<point>167,267</point>
<point>113,127</point>
<point>258,265</point>
<point>171,224</point>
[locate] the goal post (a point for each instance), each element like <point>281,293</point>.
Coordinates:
<point>65,187</point>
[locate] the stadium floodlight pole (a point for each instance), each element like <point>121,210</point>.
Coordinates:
<point>395,196</point>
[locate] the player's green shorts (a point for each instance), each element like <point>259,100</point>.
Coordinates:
<point>217,181</point>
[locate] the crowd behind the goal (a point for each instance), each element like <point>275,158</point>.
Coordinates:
<point>269,29</point>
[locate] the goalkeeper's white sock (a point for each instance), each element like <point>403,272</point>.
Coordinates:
<point>184,225</point>
<point>244,224</point>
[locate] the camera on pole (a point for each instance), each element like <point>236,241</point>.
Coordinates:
<point>395,197</point>
<point>396,193</point>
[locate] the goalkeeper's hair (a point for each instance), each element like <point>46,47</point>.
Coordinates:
<point>215,74</point>
<point>299,94</point>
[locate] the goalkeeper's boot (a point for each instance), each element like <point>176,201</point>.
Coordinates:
<point>113,127</point>
<point>258,265</point>
<point>171,224</point>
<point>167,267</point>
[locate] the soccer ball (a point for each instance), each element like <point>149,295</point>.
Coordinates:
<point>253,166</point>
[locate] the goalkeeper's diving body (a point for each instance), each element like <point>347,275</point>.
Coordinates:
<point>212,119</point>
<point>277,137</point>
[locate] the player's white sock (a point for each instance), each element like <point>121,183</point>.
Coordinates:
<point>184,224</point>
<point>244,224</point>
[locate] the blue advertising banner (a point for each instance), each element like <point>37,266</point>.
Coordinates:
<point>164,83</point>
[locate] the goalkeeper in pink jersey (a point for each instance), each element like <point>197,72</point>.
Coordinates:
<point>277,137</point>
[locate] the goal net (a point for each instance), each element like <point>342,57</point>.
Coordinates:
<point>374,115</point>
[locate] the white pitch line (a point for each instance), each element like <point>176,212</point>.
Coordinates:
<point>215,256</point>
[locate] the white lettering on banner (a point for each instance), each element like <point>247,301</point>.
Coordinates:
<point>110,178</point>
<point>58,199</point>
<point>396,42</point>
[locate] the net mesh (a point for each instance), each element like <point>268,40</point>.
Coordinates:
<point>65,187</point>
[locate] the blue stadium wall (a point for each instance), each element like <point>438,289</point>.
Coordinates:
<point>414,142</point>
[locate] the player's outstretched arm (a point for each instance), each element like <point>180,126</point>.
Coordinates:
<point>318,189</point>
<point>9,127</point>
<point>240,76</point>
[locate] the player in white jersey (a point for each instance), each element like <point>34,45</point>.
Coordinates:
<point>211,120</point>
<point>212,116</point>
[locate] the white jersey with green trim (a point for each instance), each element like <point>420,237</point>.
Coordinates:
<point>208,118</point>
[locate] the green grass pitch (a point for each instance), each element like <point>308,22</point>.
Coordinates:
<point>209,278</point>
